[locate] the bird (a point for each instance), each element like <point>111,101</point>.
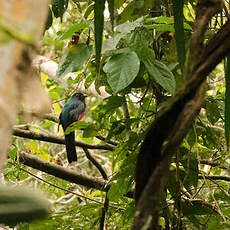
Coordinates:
<point>72,111</point>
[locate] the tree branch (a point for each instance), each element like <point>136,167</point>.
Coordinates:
<point>212,163</point>
<point>172,124</point>
<point>103,214</point>
<point>95,163</point>
<point>148,203</point>
<point>214,177</point>
<point>66,174</point>
<point>61,172</point>
<point>57,140</point>
<point>53,118</point>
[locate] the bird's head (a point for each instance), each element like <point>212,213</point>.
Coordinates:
<point>80,96</point>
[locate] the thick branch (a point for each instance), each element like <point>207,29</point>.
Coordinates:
<point>65,174</point>
<point>61,172</point>
<point>57,140</point>
<point>53,118</point>
<point>148,204</point>
<point>204,13</point>
<point>165,122</point>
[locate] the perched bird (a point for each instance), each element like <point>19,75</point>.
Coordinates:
<point>72,111</point>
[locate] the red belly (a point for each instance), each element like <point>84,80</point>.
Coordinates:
<point>81,116</point>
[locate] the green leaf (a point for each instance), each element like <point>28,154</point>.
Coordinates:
<point>90,131</point>
<point>146,55</point>
<point>129,26</point>
<point>76,125</point>
<point>13,153</point>
<point>121,70</point>
<point>118,3</point>
<point>192,171</point>
<point>114,102</point>
<point>88,11</point>
<point>178,7</point>
<point>76,27</point>
<point>123,180</point>
<point>99,8</point>
<point>111,11</point>
<point>73,59</point>
<point>161,74</point>
<point>111,43</point>
<point>197,207</point>
<point>227,102</point>
<point>212,111</point>
<point>164,24</point>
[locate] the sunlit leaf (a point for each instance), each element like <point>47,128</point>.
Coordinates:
<point>73,59</point>
<point>121,70</point>
<point>161,74</point>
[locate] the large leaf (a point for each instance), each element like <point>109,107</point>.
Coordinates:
<point>99,8</point>
<point>111,43</point>
<point>227,102</point>
<point>179,30</point>
<point>121,70</point>
<point>73,59</point>
<point>164,23</point>
<point>161,74</point>
<point>121,31</point>
<point>129,26</point>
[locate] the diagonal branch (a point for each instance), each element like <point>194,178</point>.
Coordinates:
<point>61,172</point>
<point>148,204</point>
<point>95,163</point>
<point>171,126</point>
<point>65,174</point>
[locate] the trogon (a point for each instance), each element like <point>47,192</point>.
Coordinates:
<point>72,111</point>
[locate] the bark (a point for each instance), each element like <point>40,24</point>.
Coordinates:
<point>57,140</point>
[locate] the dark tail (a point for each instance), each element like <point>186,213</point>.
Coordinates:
<point>70,147</point>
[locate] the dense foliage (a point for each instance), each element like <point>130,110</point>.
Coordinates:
<point>140,64</point>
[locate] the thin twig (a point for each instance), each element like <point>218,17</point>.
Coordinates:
<point>95,163</point>
<point>104,210</point>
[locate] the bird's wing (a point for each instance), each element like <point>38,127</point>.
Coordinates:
<point>76,111</point>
